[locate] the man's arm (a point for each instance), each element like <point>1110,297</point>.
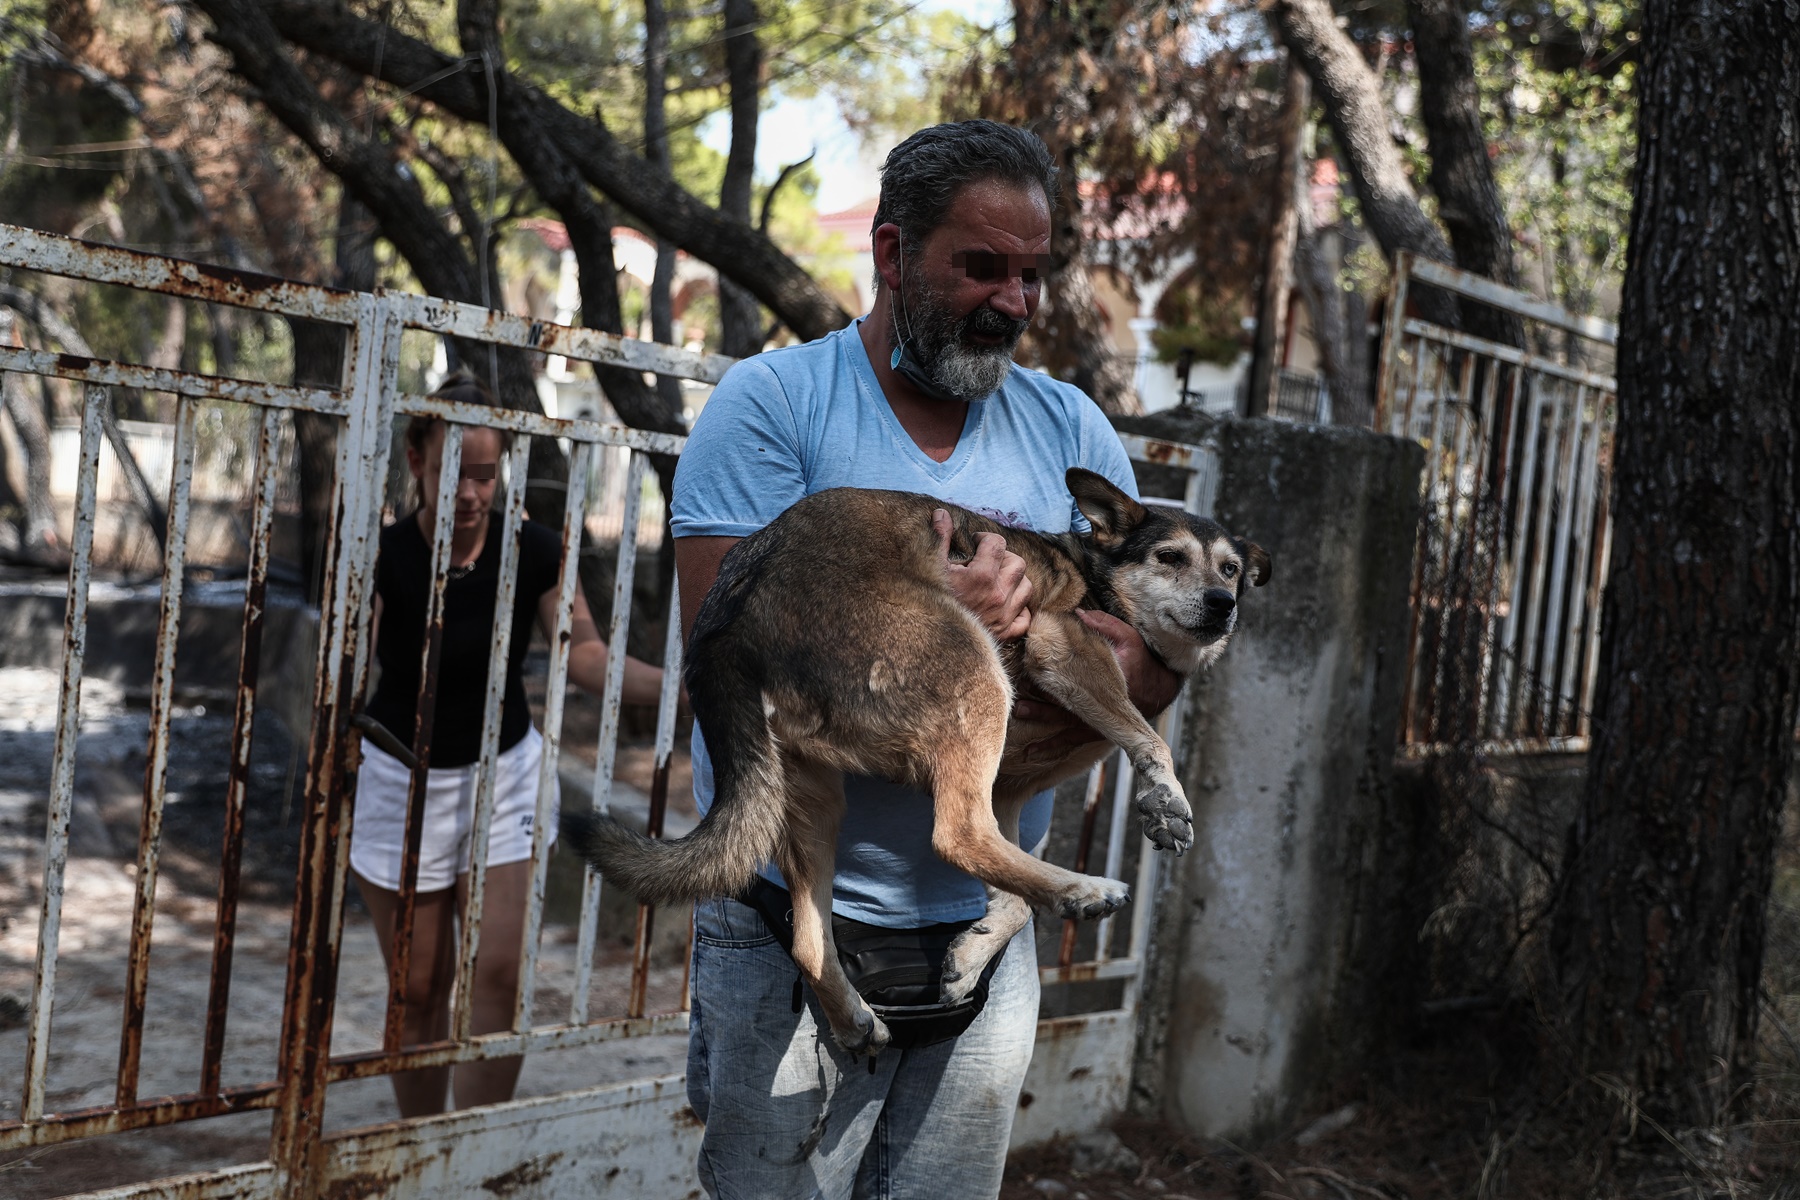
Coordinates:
<point>697,562</point>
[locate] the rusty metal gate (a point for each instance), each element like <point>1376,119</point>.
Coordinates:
<point>633,1139</point>
<point>1515,530</point>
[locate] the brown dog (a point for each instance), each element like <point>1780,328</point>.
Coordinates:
<point>831,643</point>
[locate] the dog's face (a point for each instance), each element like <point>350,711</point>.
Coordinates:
<point>1175,577</point>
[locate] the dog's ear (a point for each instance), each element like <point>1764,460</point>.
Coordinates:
<point>1109,510</point>
<point>1260,566</point>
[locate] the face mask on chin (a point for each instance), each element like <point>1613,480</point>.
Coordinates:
<point>932,349</point>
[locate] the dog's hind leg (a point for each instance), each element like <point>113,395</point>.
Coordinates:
<point>1006,914</point>
<point>962,753</point>
<point>808,863</point>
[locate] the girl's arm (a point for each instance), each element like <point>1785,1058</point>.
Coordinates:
<point>588,654</point>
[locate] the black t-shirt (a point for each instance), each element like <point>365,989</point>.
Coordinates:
<point>403,581</point>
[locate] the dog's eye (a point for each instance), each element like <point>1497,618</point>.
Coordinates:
<point>1229,570</point>
<point>1171,558</point>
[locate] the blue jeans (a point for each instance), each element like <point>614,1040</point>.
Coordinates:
<point>789,1116</point>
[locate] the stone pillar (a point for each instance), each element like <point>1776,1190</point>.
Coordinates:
<point>1270,932</point>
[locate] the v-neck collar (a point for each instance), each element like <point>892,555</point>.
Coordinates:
<point>871,387</point>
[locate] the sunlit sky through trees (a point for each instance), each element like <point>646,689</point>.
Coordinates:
<point>792,127</point>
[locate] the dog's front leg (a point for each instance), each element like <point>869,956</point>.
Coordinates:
<point>808,862</point>
<point>1006,914</point>
<point>1076,668</point>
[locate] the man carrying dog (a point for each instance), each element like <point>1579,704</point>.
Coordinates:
<point>921,395</point>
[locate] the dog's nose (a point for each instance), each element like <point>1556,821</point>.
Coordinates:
<point>1219,603</point>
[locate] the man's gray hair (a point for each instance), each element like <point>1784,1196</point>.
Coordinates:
<point>923,174</point>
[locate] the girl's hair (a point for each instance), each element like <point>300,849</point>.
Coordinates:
<point>459,386</point>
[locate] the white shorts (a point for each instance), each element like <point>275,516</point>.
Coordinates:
<point>378,835</point>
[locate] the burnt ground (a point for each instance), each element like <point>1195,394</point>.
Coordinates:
<point>1459,1113</point>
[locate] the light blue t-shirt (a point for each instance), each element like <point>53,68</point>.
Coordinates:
<point>802,419</point>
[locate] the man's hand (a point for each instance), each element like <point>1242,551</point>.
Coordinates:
<point>992,585</point>
<point>1151,686</point>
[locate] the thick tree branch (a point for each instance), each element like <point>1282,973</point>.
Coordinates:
<point>740,321</point>
<point>1352,99</point>
<point>1469,202</point>
<point>736,249</point>
<point>379,182</point>
<point>589,223</point>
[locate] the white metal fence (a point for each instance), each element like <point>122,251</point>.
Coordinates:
<point>626,1140</point>
<point>1515,532</point>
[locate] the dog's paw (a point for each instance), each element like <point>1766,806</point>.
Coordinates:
<point>967,957</point>
<point>957,985</point>
<point>1093,897</point>
<point>1168,821</point>
<point>868,1034</point>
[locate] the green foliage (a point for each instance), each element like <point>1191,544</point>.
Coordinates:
<point>1566,140</point>
<point>1208,347</point>
<point>1198,319</point>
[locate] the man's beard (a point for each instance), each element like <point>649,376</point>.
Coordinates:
<point>941,346</point>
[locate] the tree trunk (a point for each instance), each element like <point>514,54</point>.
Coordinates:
<point>1660,939</point>
<point>1340,322</point>
<point>656,152</point>
<point>1352,98</point>
<point>1278,259</point>
<point>1068,322</point>
<point>740,319</point>
<point>1462,174</point>
<point>37,523</point>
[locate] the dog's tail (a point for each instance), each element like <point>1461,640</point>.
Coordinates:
<point>742,829</point>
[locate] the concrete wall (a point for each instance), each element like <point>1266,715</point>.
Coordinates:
<point>1255,987</point>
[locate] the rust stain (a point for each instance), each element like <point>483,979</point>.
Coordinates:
<point>362,1185</point>
<point>532,1170</point>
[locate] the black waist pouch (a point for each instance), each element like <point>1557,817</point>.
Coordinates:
<point>898,971</point>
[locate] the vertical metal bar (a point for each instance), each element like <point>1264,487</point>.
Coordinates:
<point>1455,459</point>
<point>1409,725</point>
<point>62,763</point>
<point>1602,562</point>
<point>581,466</point>
<point>1531,663</point>
<point>1507,653</point>
<point>1143,895</point>
<point>231,851</point>
<point>423,714</point>
<point>505,599</point>
<point>156,765</point>
<point>1491,658</point>
<point>1420,352</point>
<point>1582,537</point>
<point>1202,491</point>
<point>608,750</point>
<point>1115,852</point>
<point>1090,812</point>
<point>1554,605</point>
<point>1393,331</point>
<point>1480,610</point>
<point>659,795</point>
<point>295,1144</point>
